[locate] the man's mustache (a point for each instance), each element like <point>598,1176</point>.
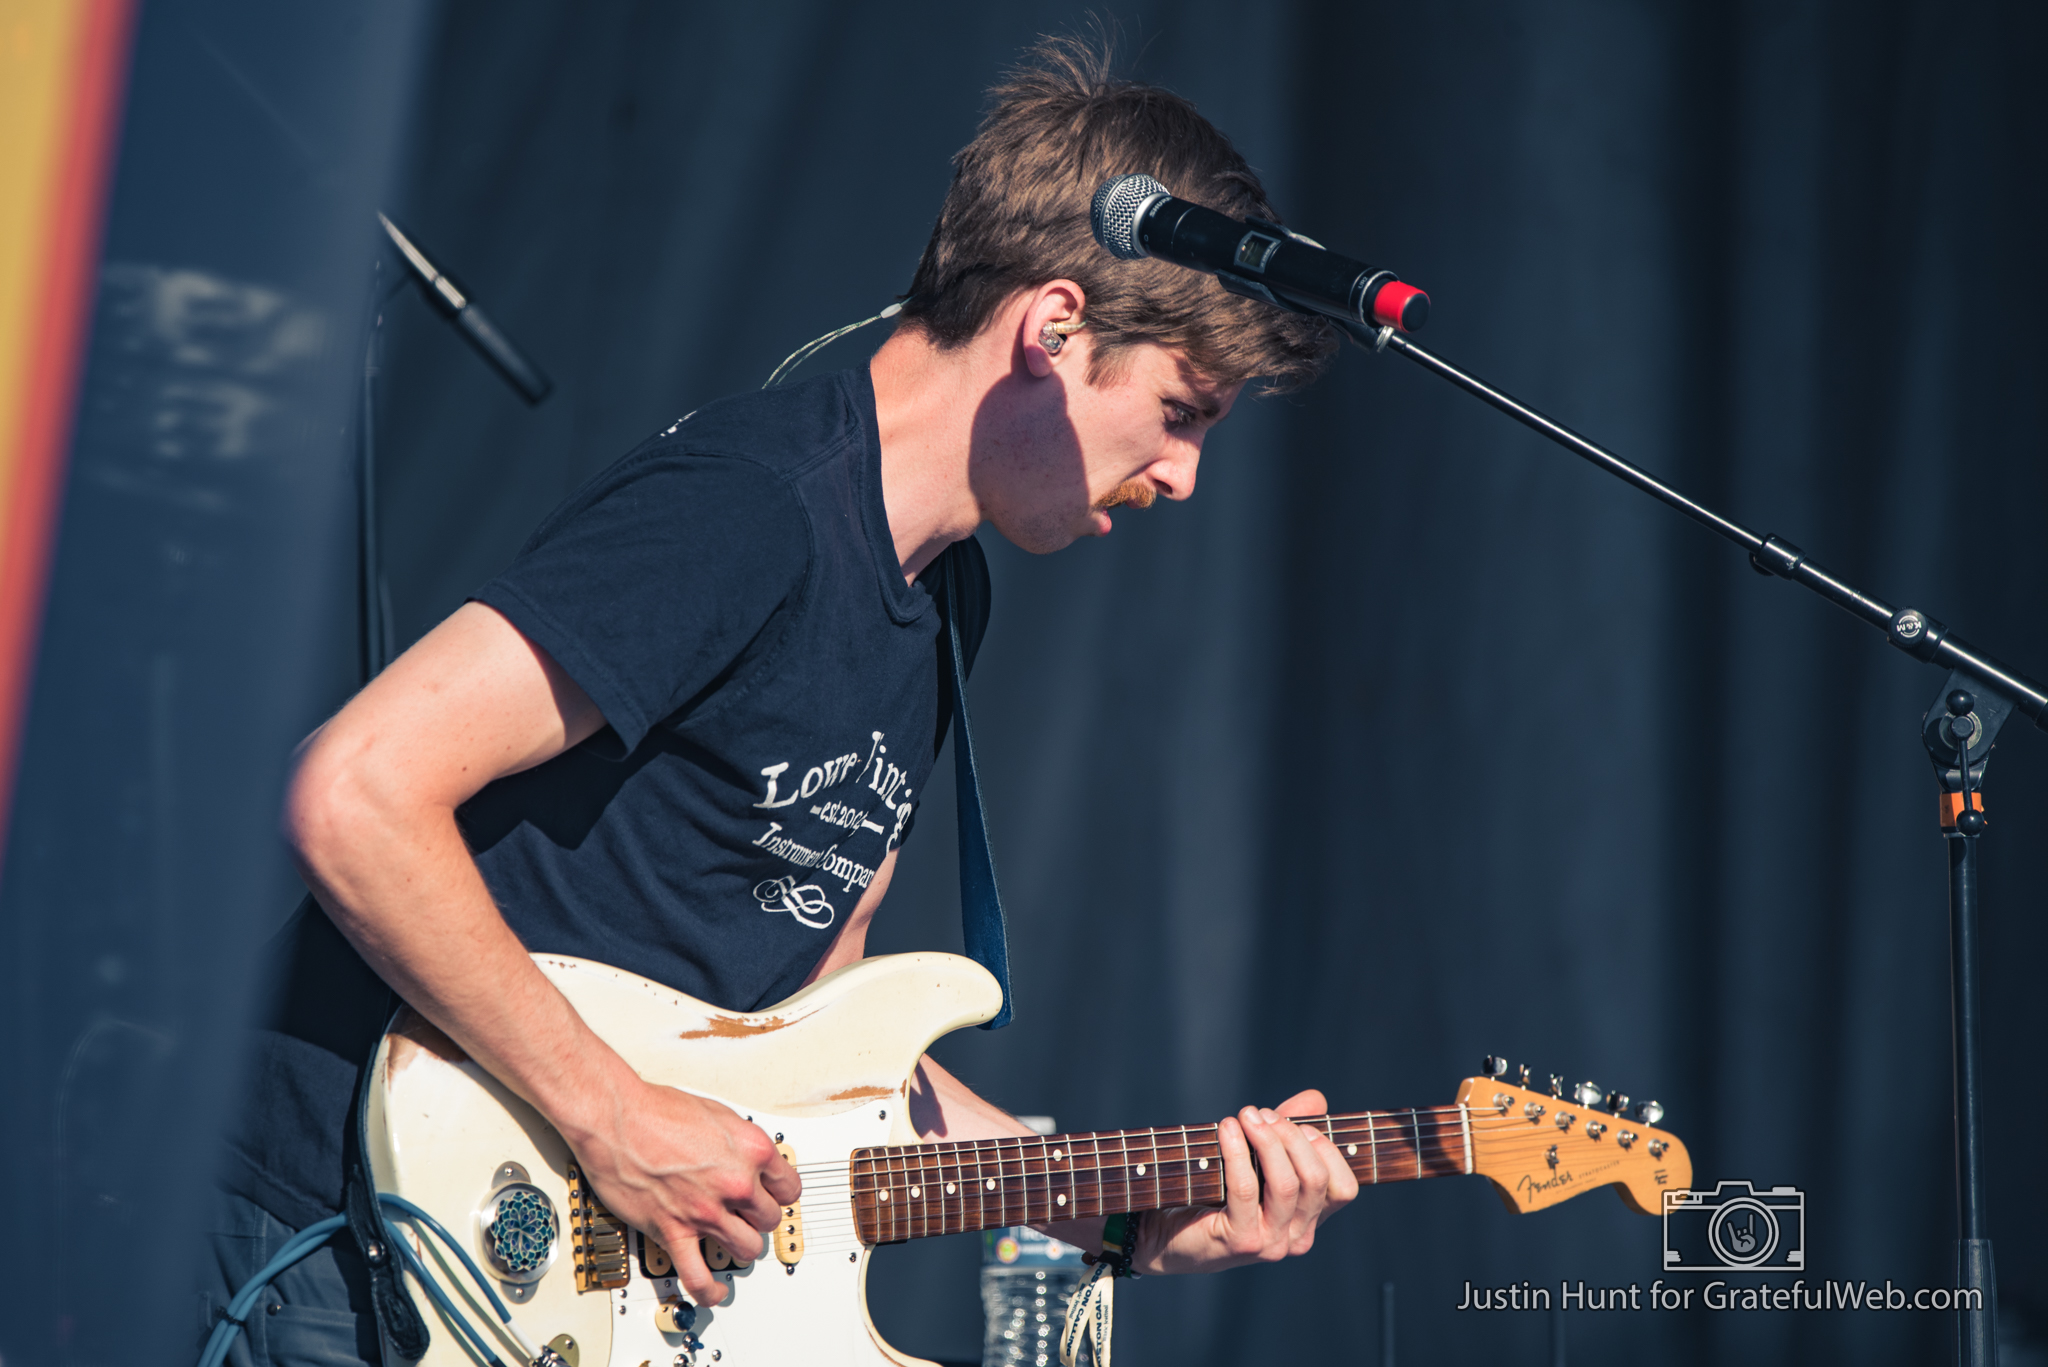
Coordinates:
<point>1136,492</point>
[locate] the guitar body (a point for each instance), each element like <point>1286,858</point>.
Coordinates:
<point>828,1071</point>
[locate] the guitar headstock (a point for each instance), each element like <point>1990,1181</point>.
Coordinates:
<point>1540,1148</point>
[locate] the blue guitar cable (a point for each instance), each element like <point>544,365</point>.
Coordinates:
<point>476,1273</point>
<point>297,1247</point>
<point>315,1236</point>
<point>440,1297</point>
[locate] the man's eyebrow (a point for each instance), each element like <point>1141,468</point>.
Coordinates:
<point>1196,390</point>
<point>1188,396</point>
<point>1197,394</point>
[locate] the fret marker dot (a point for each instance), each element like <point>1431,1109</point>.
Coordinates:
<point>949,1188</point>
<point>885,1193</point>
<point>1057,1156</point>
<point>1140,1169</point>
<point>1060,1199</point>
<point>916,1192</point>
<point>1351,1150</point>
<point>991,1184</point>
<point>1202,1163</point>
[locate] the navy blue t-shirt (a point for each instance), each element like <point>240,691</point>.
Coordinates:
<point>774,693</point>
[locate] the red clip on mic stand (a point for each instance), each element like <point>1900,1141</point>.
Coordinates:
<point>1981,692</point>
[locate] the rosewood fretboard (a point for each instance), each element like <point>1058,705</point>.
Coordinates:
<point>916,1190</point>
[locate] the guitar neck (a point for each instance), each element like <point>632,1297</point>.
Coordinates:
<point>916,1191</point>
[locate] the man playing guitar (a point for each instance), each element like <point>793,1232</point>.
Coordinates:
<point>684,733</point>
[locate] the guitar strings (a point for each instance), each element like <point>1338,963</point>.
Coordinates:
<point>830,1186</point>
<point>1380,1128</point>
<point>1452,1115</point>
<point>1392,1158</point>
<point>833,1196</point>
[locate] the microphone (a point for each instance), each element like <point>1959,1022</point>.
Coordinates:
<point>1135,216</point>
<point>512,364</point>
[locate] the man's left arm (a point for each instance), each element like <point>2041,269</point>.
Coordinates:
<point>1306,1180</point>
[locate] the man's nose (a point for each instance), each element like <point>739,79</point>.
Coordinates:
<point>1174,472</point>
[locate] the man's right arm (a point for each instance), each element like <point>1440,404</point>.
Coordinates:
<point>370,817</point>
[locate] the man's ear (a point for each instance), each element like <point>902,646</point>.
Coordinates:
<point>1056,301</point>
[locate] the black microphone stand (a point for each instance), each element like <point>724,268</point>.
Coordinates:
<point>1958,731</point>
<point>375,641</point>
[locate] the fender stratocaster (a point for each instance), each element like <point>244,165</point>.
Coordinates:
<point>827,1073</point>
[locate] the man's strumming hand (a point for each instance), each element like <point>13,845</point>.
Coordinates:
<point>679,1167</point>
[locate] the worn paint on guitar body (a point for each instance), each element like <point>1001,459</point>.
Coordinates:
<point>828,1070</point>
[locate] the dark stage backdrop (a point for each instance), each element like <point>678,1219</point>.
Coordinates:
<point>1409,738</point>
<point>200,558</point>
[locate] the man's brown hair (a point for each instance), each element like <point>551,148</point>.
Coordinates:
<point>1016,217</point>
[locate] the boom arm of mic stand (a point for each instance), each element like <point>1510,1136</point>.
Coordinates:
<point>1911,630</point>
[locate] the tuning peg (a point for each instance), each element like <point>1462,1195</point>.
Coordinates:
<point>1525,1077</point>
<point>1649,1112</point>
<point>1557,1086</point>
<point>1617,1102</point>
<point>1587,1094</point>
<point>1494,1066</point>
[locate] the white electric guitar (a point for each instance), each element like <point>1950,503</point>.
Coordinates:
<point>827,1073</point>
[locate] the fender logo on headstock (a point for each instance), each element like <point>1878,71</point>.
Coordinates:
<point>1529,1186</point>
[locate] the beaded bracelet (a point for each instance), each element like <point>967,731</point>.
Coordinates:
<point>1119,1245</point>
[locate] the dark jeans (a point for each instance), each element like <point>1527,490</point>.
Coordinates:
<point>317,1314</point>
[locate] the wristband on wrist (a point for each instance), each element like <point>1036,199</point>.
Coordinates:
<point>1119,1244</point>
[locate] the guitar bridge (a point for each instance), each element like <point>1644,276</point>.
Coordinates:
<point>597,1238</point>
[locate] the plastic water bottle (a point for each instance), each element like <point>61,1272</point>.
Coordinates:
<point>1026,1279</point>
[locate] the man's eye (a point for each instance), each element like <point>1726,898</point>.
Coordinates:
<point>1179,414</point>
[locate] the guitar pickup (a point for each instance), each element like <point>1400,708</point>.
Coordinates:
<point>789,1235</point>
<point>654,1259</point>
<point>787,1241</point>
<point>719,1258</point>
<point>597,1238</point>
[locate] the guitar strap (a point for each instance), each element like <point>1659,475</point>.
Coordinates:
<point>399,1323</point>
<point>982,927</point>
